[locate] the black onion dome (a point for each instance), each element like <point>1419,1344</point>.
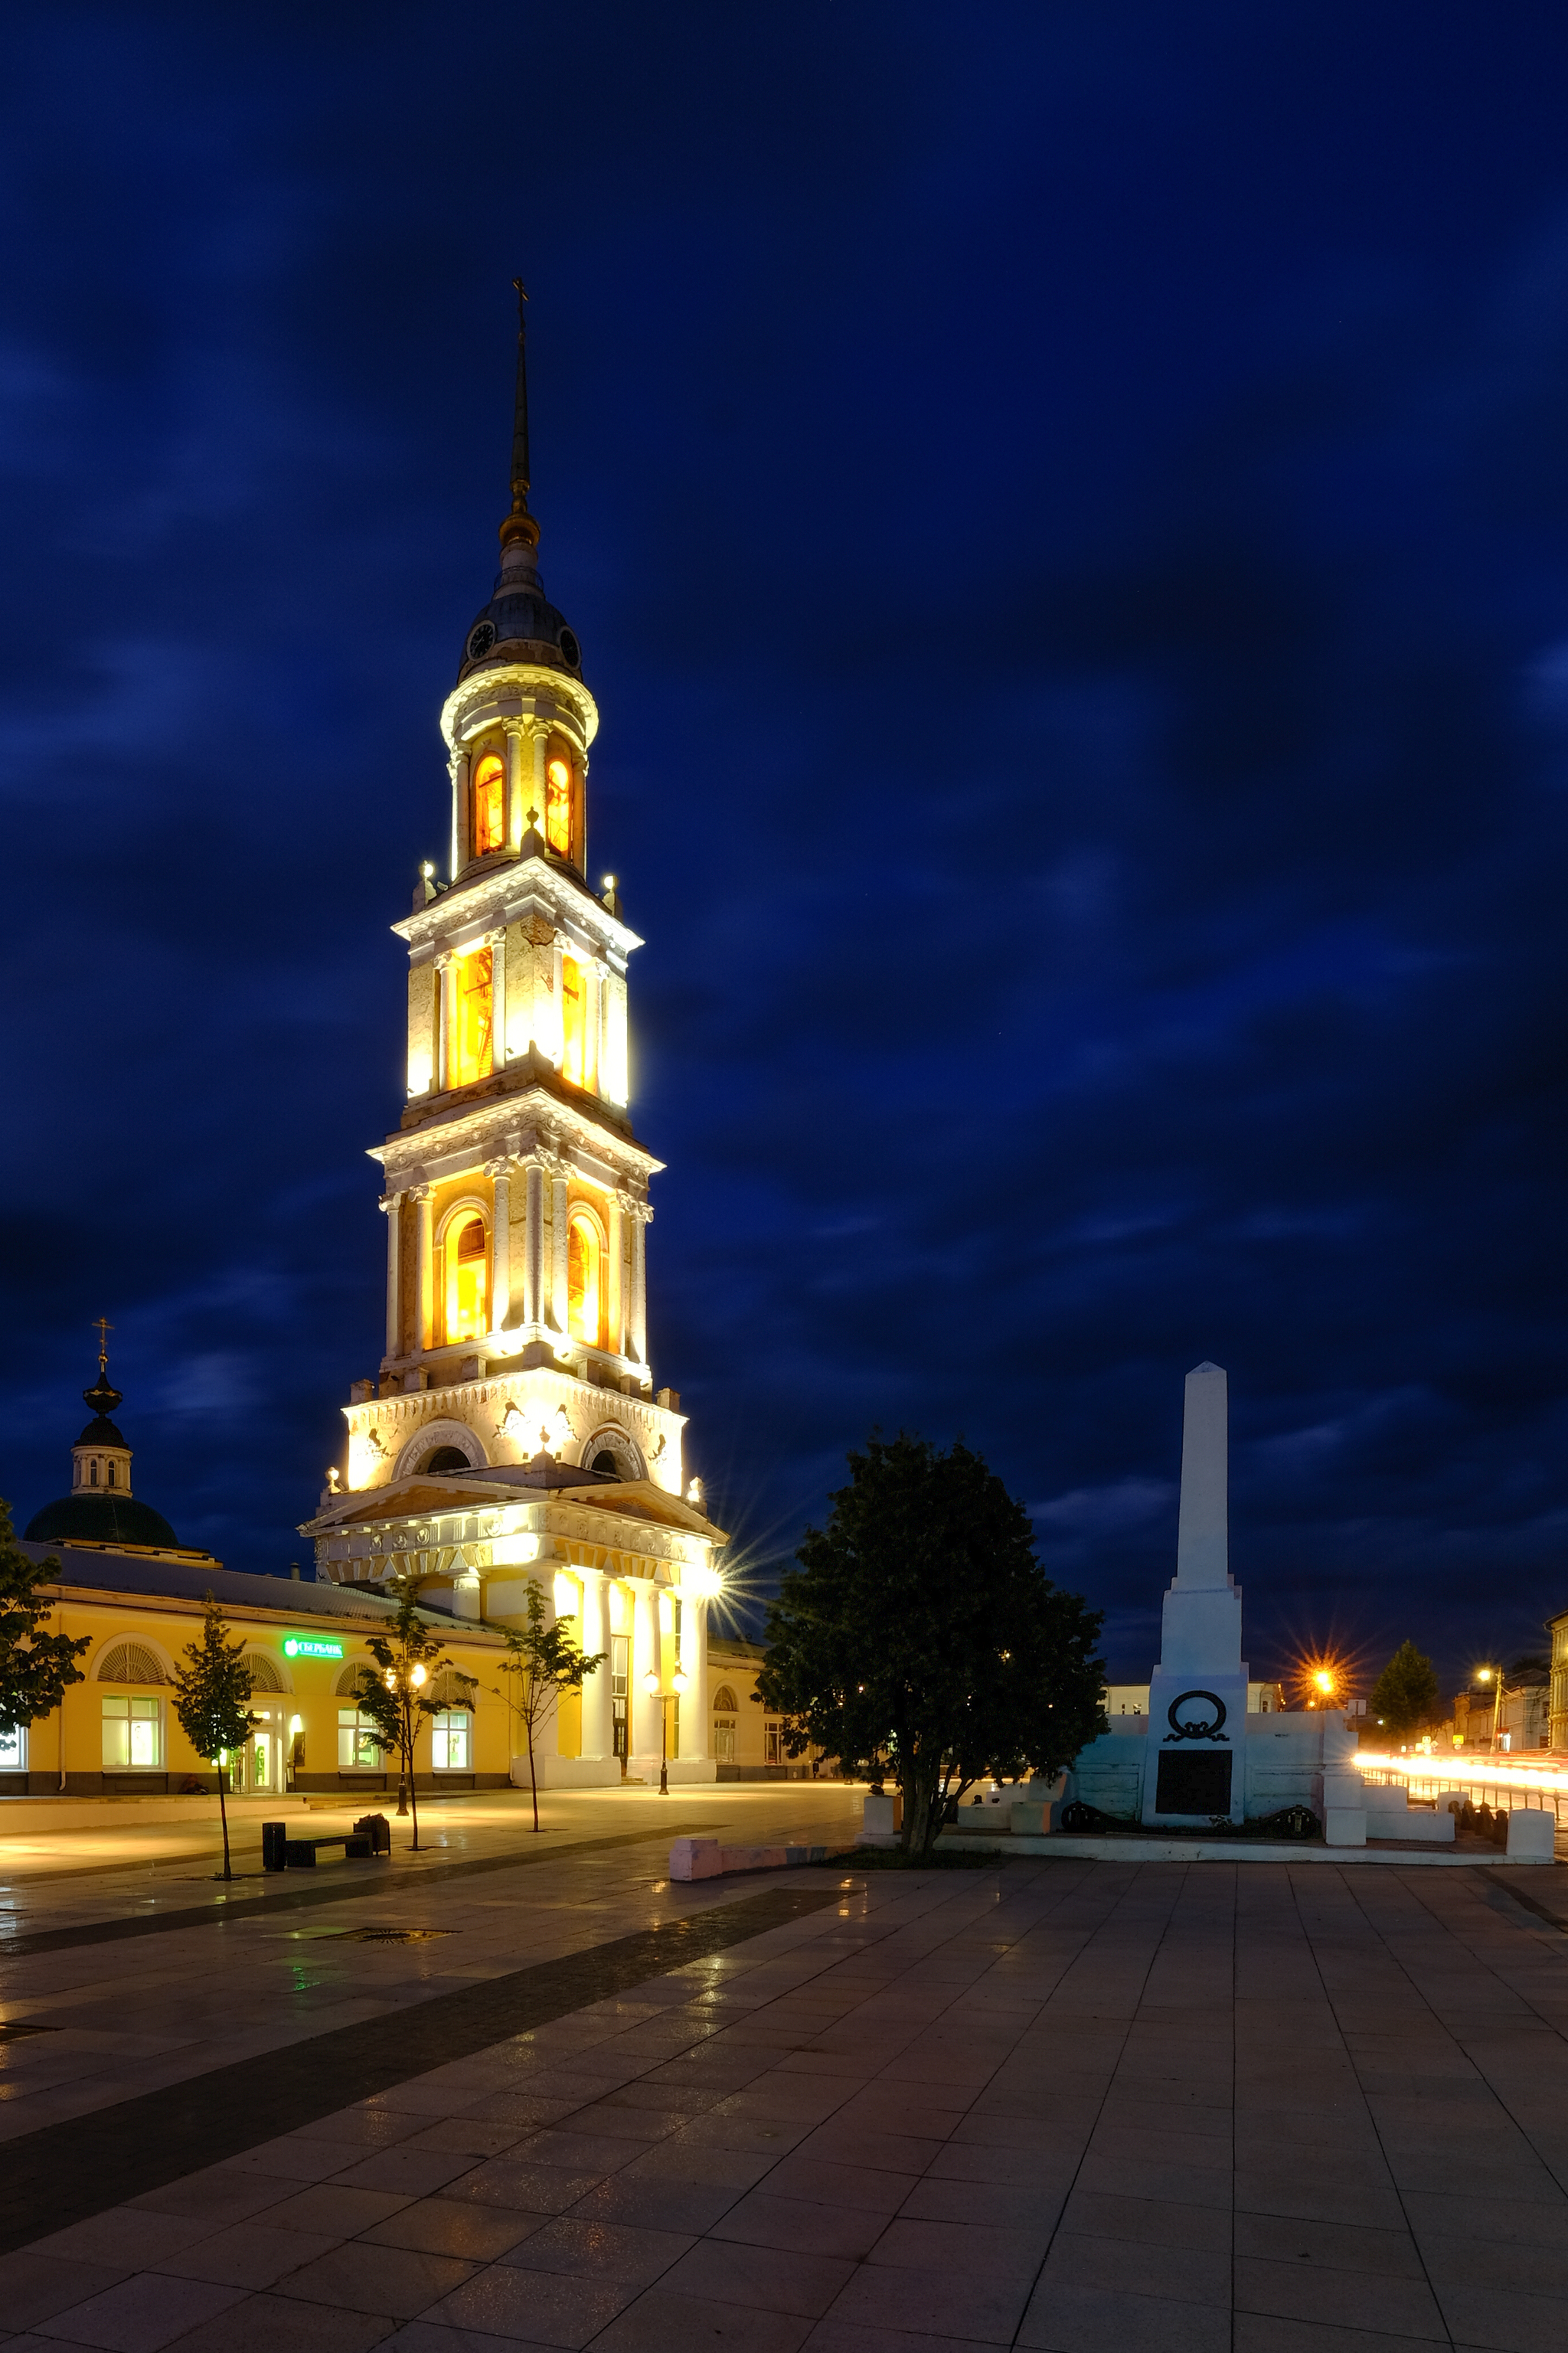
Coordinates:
<point>97,1517</point>
<point>101,1432</point>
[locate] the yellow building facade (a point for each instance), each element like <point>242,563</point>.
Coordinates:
<point>116,1733</point>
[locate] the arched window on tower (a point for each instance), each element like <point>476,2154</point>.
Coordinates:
<point>471,1055</point>
<point>558,804</point>
<point>583,1278</point>
<point>487,826</point>
<point>468,1280</point>
<point>575,1060</point>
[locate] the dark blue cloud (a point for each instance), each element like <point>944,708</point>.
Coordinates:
<point>1067,517</point>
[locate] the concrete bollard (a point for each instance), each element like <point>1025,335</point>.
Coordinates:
<point>1532,1835</point>
<point>1344,1826</point>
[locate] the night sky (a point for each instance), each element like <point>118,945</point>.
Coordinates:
<point>1066,514</point>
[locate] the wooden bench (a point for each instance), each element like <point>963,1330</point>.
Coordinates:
<point>371,1835</point>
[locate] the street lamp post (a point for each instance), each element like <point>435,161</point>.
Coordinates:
<point>655,1689</point>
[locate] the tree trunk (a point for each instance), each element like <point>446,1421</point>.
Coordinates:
<point>923,1809</point>
<point>408,1722</point>
<point>532,1776</point>
<point>223,1817</point>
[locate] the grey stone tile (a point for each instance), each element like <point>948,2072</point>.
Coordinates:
<point>34,2287</point>
<point>1502,2320</point>
<point>528,2189</point>
<point>267,2324</point>
<point>1358,2299</point>
<point>402,2281</point>
<point>1147,2221</point>
<point>630,2256</point>
<point>659,2322</point>
<point>447,2226</point>
<point>247,2255</point>
<point>1103,2320</point>
<point>762,2220</point>
<point>1336,2246</point>
<point>1181,2274</point>
<point>139,2315</point>
<point>539,2307</point>
<point>942,2303</point>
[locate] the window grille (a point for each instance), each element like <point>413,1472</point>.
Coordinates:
<point>131,1662</point>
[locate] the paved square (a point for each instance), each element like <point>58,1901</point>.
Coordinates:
<point>1062,2105</point>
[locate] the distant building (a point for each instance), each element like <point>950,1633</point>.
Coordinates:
<point>1132,1699</point>
<point>125,1582</point>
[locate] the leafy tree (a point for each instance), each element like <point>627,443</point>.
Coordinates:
<point>1405,1696</point>
<point>542,1662</point>
<point>211,1694</point>
<point>36,1668</point>
<point>921,1636</point>
<point>396,1698</point>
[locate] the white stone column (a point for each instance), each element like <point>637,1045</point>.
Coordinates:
<point>496,942</point>
<point>425,1195</point>
<point>598,1737</point>
<point>445,1021</point>
<point>514,730</point>
<point>616,1256</point>
<point>393,1206</point>
<point>500,1174</point>
<point>533,1243</point>
<point>694,1717</point>
<point>540,747</point>
<point>559,1274</point>
<point>636,1346</point>
<point>645,1708</point>
<point>459,768</point>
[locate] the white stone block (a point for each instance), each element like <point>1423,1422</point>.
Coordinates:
<point>1344,1826</point>
<point>1037,1820</point>
<point>696,1858</point>
<point>882,1815</point>
<point>1415,1822</point>
<point>1532,1834</point>
<point>1390,1798</point>
<point>1344,1789</point>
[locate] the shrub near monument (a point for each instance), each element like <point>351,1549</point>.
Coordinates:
<point>920,1638</point>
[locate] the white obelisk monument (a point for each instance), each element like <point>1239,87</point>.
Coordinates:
<point>1196,1759</point>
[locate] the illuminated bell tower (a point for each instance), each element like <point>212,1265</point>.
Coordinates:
<point>516,1194</point>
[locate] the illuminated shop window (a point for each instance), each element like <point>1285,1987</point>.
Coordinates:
<point>488,829</point>
<point>575,1058</point>
<point>558,804</point>
<point>471,1052</point>
<point>468,1284</point>
<point>451,1750</point>
<point>357,1751</point>
<point>583,1280</point>
<point>772,1744</point>
<point>14,1750</point>
<point>132,1733</point>
<point>723,1740</point>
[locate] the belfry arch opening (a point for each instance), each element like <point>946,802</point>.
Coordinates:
<point>486,829</point>
<point>585,1263</point>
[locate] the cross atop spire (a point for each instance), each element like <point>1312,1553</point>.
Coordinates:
<point>519,524</point>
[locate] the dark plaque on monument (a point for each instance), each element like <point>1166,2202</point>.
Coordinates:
<point>1190,1784</point>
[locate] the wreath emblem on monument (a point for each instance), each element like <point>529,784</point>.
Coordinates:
<point>1208,1727</point>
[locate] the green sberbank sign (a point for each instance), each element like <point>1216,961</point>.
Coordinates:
<point>310,1646</point>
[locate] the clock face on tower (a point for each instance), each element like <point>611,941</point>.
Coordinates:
<point>481,638</point>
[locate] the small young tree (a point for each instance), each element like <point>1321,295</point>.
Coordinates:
<point>541,1662</point>
<point>211,1693</point>
<point>35,1667</point>
<point>396,1698</point>
<point>1405,1696</point>
<point>919,1634</point>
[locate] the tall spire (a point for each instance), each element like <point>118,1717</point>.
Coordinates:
<point>519,524</point>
